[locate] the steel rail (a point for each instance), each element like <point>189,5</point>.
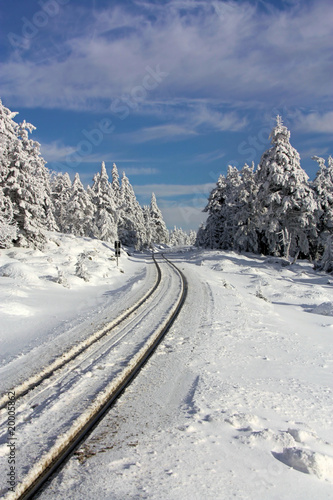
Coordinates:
<point>26,492</point>
<point>67,356</point>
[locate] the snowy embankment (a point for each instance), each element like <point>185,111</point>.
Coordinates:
<point>51,301</point>
<point>236,402</point>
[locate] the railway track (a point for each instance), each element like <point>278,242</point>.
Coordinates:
<point>37,378</point>
<point>100,372</point>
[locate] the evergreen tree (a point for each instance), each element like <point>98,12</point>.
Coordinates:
<point>8,227</point>
<point>131,226</point>
<point>105,218</point>
<point>223,205</point>
<point>159,231</point>
<point>61,188</point>
<point>116,185</point>
<point>210,236</point>
<point>201,240</point>
<point>24,181</point>
<point>178,237</point>
<point>323,189</point>
<point>326,261</point>
<point>79,218</point>
<point>148,224</point>
<point>245,237</point>
<point>286,203</point>
<point>192,237</point>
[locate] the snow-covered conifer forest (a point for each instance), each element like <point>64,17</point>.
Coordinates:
<point>274,209</point>
<point>33,200</point>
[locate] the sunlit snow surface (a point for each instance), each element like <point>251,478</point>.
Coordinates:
<point>51,300</point>
<point>236,402</point>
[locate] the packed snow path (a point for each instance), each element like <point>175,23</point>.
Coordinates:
<point>49,416</point>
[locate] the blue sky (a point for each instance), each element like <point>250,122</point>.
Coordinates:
<point>172,91</point>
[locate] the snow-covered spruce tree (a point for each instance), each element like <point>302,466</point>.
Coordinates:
<point>223,206</point>
<point>159,231</point>
<point>286,204</point>
<point>326,261</point>
<point>231,208</point>
<point>61,189</point>
<point>147,221</point>
<point>131,225</point>
<point>245,217</point>
<point>178,237</point>
<point>8,227</point>
<point>25,181</point>
<point>105,217</point>
<point>79,219</point>
<point>323,189</point>
<point>116,186</point>
<point>192,236</point>
<point>200,240</point>
<point>8,135</point>
<point>210,234</point>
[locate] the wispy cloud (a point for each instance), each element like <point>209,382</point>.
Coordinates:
<point>209,49</point>
<point>188,119</point>
<point>56,151</point>
<point>314,122</point>
<point>209,157</point>
<point>168,132</point>
<point>141,171</point>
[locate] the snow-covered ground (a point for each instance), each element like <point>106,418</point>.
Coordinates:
<point>236,402</point>
<point>51,300</point>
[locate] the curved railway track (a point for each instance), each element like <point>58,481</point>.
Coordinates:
<point>37,378</point>
<point>155,312</point>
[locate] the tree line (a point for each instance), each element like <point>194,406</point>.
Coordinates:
<point>274,209</point>
<point>32,200</point>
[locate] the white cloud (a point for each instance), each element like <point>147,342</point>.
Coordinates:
<point>55,151</point>
<point>209,49</point>
<point>315,122</point>
<point>207,116</point>
<point>209,157</point>
<point>159,132</point>
<point>141,171</point>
